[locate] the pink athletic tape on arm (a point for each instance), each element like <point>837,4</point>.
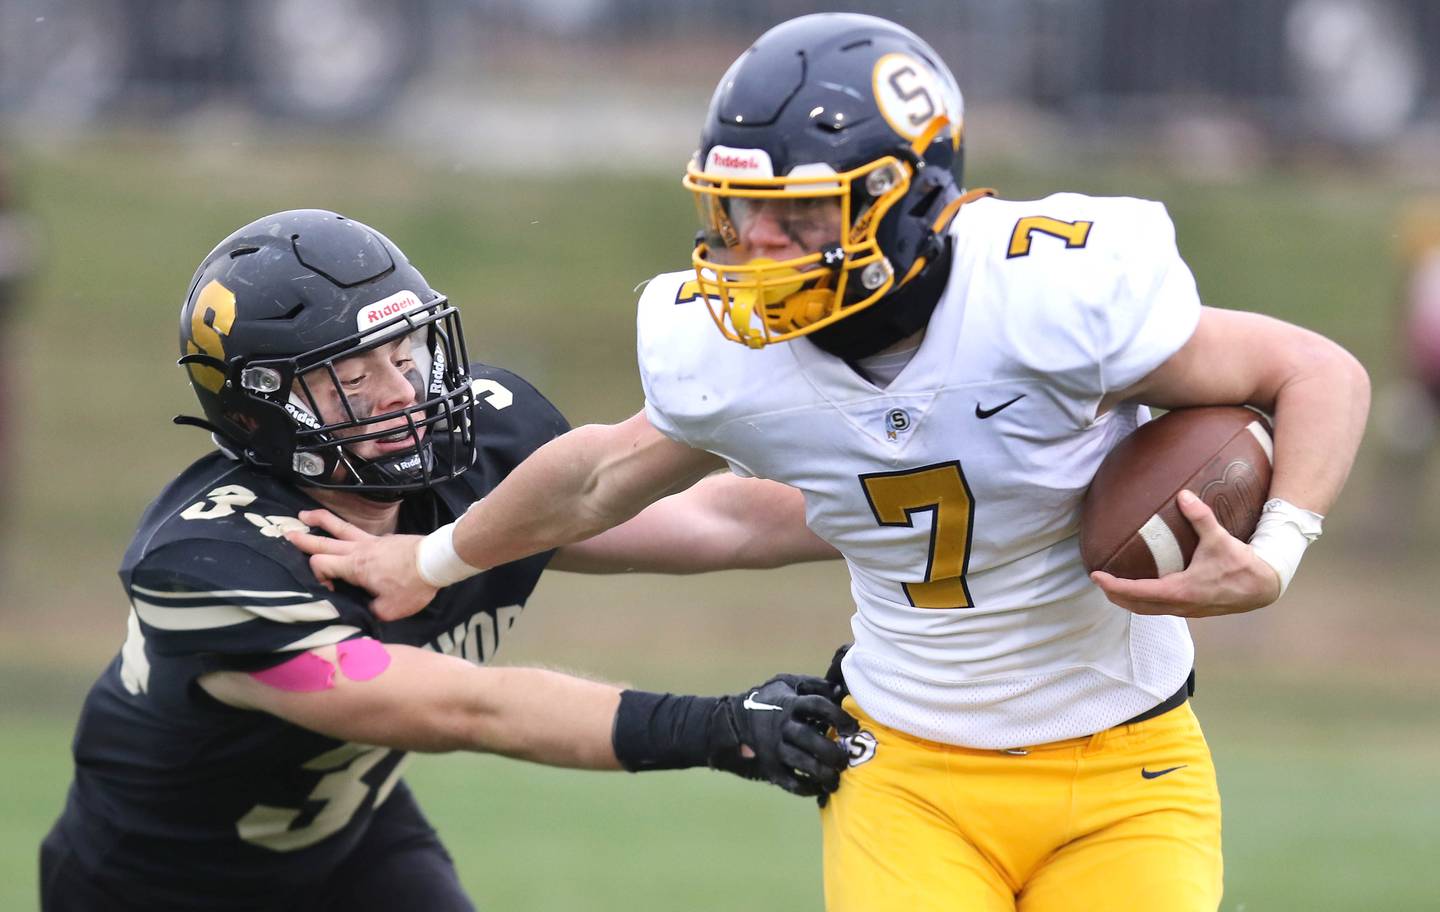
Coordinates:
<point>306,673</point>
<point>363,659</point>
<point>360,660</point>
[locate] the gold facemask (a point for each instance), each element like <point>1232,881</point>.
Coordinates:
<point>758,300</point>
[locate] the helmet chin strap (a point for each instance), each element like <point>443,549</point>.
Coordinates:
<point>406,467</point>
<point>899,314</point>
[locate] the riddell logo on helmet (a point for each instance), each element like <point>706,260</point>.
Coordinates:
<point>302,416</point>
<point>384,309</point>
<point>736,161</point>
<point>739,162</point>
<point>437,372</point>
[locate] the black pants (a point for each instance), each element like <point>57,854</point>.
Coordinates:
<point>398,865</point>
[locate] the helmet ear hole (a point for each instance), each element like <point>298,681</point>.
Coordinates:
<point>927,201</point>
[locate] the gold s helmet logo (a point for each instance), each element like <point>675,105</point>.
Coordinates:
<point>210,321</point>
<point>911,94</point>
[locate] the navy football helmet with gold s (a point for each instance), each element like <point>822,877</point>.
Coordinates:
<point>840,134</point>
<point>273,314</point>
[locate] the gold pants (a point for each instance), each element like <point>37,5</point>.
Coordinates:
<point>1126,820</point>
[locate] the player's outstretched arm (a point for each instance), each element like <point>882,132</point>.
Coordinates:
<point>574,487</point>
<point>722,523</point>
<point>1319,397</point>
<point>414,699</point>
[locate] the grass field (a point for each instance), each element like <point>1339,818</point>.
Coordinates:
<point>1325,810</point>
<point>1322,711</point>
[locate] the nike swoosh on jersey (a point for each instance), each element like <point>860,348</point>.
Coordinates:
<point>983,413</point>
<point>1156,774</point>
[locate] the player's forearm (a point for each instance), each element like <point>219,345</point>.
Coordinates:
<point>555,497</point>
<point>763,524</point>
<point>1320,413</point>
<point>545,717</point>
<point>418,700</point>
<point>721,523</point>
<point>524,713</point>
<point>578,485</point>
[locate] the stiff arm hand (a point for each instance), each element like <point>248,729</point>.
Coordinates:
<point>384,565</point>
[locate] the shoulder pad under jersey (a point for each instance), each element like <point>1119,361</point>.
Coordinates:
<point>209,569</point>
<point>694,378</point>
<point>1090,292</point>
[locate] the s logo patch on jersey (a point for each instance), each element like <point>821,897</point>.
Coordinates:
<point>897,421</point>
<point>860,746</point>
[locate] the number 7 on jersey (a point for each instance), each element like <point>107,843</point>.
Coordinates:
<point>941,490</point>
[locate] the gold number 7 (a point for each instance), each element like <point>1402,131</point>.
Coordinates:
<point>941,490</point>
<point>1074,234</point>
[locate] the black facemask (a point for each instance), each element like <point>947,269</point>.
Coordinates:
<point>892,318</point>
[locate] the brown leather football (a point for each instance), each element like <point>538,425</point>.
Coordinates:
<point>1130,524</point>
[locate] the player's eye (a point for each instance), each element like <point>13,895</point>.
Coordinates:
<point>351,383</point>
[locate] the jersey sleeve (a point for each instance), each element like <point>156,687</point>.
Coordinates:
<point>1155,306</point>
<point>235,605</point>
<point>663,422</point>
<point>1094,316</point>
<point>657,353</point>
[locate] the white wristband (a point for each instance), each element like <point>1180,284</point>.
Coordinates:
<point>1282,535</point>
<point>437,560</point>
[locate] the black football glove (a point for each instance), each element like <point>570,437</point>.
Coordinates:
<point>835,676</point>
<point>776,732</point>
<point>784,724</point>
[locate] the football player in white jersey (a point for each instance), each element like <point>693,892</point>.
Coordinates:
<point>940,373</point>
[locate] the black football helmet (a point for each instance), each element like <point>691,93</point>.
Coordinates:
<point>270,313</point>
<point>837,110</point>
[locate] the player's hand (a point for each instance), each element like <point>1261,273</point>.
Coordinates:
<point>384,565</point>
<point>839,690</point>
<point>778,732</point>
<point>1224,576</point>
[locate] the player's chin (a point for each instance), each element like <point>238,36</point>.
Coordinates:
<point>402,440</point>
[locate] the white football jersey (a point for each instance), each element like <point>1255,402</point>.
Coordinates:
<point>954,492</point>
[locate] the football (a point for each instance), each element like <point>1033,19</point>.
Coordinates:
<point>1130,523</point>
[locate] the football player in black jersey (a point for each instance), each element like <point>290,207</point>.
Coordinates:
<point>244,750</point>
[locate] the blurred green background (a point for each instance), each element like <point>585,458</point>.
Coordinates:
<point>1322,710</point>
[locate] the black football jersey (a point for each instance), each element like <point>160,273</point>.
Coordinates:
<point>181,795</point>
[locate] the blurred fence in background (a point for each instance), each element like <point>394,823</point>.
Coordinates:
<point>1352,72</point>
